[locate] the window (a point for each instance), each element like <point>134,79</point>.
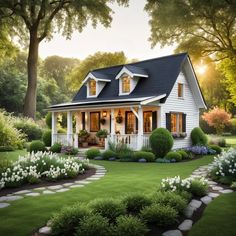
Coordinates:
<point>92,87</point>
<point>180,90</point>
<point>125,84</point>
<point>94,121</point>
<point>130,122</point>
<point>147,121</point>
<point>176,122</point>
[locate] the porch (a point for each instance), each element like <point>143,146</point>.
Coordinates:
<point>130,125</point>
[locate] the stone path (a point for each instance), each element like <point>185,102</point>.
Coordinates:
<point>5,200</point>
<point>214,191</point>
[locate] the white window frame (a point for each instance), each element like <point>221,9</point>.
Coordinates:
<point>88,89</point>
<point>177,121</point>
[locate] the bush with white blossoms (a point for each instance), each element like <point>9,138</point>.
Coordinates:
<point>224,165</point>
<point>195,186</point>
<point>35,166</point>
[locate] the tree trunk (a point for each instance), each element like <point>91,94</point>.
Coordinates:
<point>31,93</point>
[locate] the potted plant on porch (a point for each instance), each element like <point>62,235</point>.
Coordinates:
<point>102,134</point>
<point>83,136</point>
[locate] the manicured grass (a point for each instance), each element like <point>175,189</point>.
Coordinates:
<point>12,156</point>
<point>24,216</point>
<point>231,140</point>
<point>218,219</point>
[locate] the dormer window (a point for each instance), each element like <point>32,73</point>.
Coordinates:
<point>92,87</point>
<point>126,84</point>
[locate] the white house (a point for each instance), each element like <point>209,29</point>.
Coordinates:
<point>134,99</point>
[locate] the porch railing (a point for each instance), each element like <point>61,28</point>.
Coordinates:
<point>64,139</point>
<point>145,141</point>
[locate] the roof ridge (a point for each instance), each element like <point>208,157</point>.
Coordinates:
<point>134,63</point>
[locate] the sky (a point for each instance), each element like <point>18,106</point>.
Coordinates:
<point>129,33</point>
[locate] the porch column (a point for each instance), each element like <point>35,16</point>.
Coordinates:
<point>77,128</point>
<point>54,127</point>
<point>159,118</point>
<point>140,128</point>
<point>69,128</point>
<point>112,122</point>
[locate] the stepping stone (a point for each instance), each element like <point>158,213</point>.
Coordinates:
<point>45,230</point>
<point>93,178</point>
<point>195,204</point>
<point>55,187</point>
<point>32,194</point>
<point>211,182</point>
<point>48,192</point>
<point>77,186</point>
<point>62,190</point>
<point>186,225</point>
<point>39,189</point>
<point>226,191</point>
<point>67,184</point>
<point>206,200</point>
<point>217,188</point>
<point>3,205</point>
<point>22,192</point>
<point>188,211</point>
<point>172,233</point>
<point>82,182</point>
<point>213,195</point>
<point>10,198</point>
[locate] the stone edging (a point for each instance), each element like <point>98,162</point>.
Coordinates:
<point>5,200</point>
<point>214,191</point>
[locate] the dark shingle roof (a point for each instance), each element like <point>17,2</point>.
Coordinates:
<point>100,75</point>
<point>136,70</point>
<point>162,74</point>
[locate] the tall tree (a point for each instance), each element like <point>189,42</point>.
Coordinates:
<point>95,61</point>
<point>36,20</point>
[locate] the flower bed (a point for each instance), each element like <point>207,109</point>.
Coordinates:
<point>33,167</point>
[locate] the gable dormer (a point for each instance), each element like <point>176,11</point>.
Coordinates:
<point>128,78</point>
<point>95,82</point>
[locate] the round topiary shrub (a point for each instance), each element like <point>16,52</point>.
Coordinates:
<point>216,148</point>
<point>135,202</point>
<point>161,142</point>
<point>130,226</point>
<point>47,138</point>
<point>173,156</point>
<point>160,215</point>
<point>37,146</point>
<point>108,154</point>
<point>56,147</point>
<point>67,220</point>
<point>92,152</point>
<point>94,225</point>
<point>148,156</point>
<point>109,208</point>
<point>183,154</point>
<point>198,137</point>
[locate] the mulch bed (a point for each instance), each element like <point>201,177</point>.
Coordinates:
<point>45,183</point>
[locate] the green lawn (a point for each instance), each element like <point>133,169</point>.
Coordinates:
<point>28,214</point>
<point>218,219</point>
<point>231,140</point>
<point>12,156</point>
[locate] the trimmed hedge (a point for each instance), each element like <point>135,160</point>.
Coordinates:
<point>108,154</point>
<point>93,152</point>
<point>37,146</point>
<point>47,138</point>
<point>198,137</point>
<point>148,156</point>
<point>173,156</point>
<point>161,142</point>
<point>183,154</point>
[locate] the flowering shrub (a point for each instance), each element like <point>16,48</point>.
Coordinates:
<point>34,166</point>
<point>69,150</point>
<point>188,184</point>
<point>201,150</point>
<point>224,165</point>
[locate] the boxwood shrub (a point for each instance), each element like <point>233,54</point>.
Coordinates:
<point>47,138</point>
<point>108,153</point>
<point>56,147</point>
<point>37,146</point>
<point>161,142</point>
<point>174,156</point>
<point>198,188</point>
<point>148,156</point>
<point>183,154</point>
<point>198,137</point>
<point>92,152</point>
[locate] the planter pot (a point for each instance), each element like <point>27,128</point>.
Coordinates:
<point>85,144</point>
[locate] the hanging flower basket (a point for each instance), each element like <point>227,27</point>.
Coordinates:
<point>119,118</point>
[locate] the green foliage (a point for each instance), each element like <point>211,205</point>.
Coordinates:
<point>160,215</point>
<point>146,149</point>
<point>107,154</point>
<point>233,126</point>
<point>92,152</point>
<point>109,208</point>
<point>148,156</point>
<point>4,164</point>
<point>183,154</point>
<point>174,155</point>
<point>161,142</point>
<point>198,188</point>
<point>102,133</point>
<point>10,136</point>
<point>94,225</point>
<point>37,146</point>
<point>135,202</point>
<point>130,226</point>
<point>124,153</point>
<point>65,222</point>
<point>233,186</point>
<point>171,199</point>
<point>69,150</point>
<point>56,147</point>
<point>227,180</point>
<point>47,137</point>
<point>218,141</point>
<point>83,134</point>
<point>216,148</point>
<point>6,149</point>
<point>48,120</point>
<point>198,137</point>
<point>185,195</point>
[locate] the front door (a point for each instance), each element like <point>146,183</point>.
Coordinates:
<point>130,121</point>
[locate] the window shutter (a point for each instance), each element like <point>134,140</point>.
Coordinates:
<point>154,120</point>
<point>83,120</point>
<point>184,122</point>
<point>168,121</point>
<point>126,122</point>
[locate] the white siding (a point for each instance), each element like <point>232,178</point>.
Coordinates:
<point>186,105</point>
